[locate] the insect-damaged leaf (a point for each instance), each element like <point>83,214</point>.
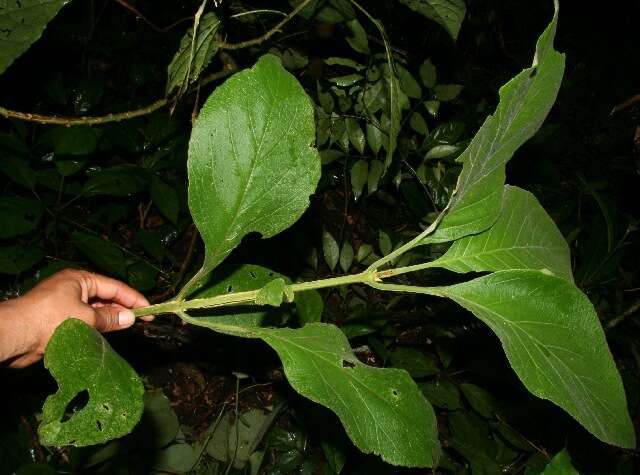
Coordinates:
<point>80,360</point>
<point>382,409</point>
<point>524,103</point>
<point>251,162</point>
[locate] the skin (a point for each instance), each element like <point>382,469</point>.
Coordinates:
<point>27,322</point>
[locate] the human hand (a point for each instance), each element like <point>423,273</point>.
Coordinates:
<point>27,322</point>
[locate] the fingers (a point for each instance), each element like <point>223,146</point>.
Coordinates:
<point>109,318</point>
<point>112,290</point>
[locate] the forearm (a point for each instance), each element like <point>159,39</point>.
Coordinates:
<point>13,331</point>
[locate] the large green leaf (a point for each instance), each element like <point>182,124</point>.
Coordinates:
<point>193,55</point>
<point>21,24</point>
<point>554,342</point>
<point>382,409</point>
<point>448,13</point>
<point>80,359</point>
<point>524,103</point>
<point>523,237</point>
<point>251,162</point>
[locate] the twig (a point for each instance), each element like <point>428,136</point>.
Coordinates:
<point>187,260</point>
<point>268,34</point>
<point>160,103</point>
<point>35,443</point>
<point>620,318</point>
<point>95,120</point>
<point>137,13</point>
<point>626,103</point>
<point>183,267</point>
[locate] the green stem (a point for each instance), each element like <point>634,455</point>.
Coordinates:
<point>385,274</point>
<point>248,297</point>
<point>406,247</point>
<point>435,291</point>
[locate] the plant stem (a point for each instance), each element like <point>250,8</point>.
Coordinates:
<point>248,297</point>
<point>268,34</point>
<point>104,119</point>
<point>405,247</point>
<point>384,274</point>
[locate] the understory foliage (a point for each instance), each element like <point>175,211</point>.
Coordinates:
<point>245,135</point>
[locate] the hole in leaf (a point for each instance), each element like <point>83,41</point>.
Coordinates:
<point>533,73</point>
<point>271,274</point>
<point>347,364</point>
<point>229,289</point>
<point>99,425</point>
<point>106,407</point>
<point>253,275</point>
<point>394,392</point>
<point>76,404</point>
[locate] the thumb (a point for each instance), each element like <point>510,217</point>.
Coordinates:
<point>109,318</point>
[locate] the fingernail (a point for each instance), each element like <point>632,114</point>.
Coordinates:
<point>126,318</point>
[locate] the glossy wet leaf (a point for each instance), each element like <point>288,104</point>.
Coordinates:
<point>119,180</point>
<point>428,74</point>
<point>447,13</point>
<point>346,256</point>
<point>409,85</point>
<point>447,92</point>
<point>80,359</point>
<point>357,37</point>
<point>524,103</point>
<point>376,169</point>
<point>418,123</point>
<point>554,342</point>
<point>193,56</point>
<point>251,162</point>
<point>359,175</point>
<point>330,250</point>
<point>523,237</point>
<point>21,24</point>
<point>346,81</point>
<point>356,135</point>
